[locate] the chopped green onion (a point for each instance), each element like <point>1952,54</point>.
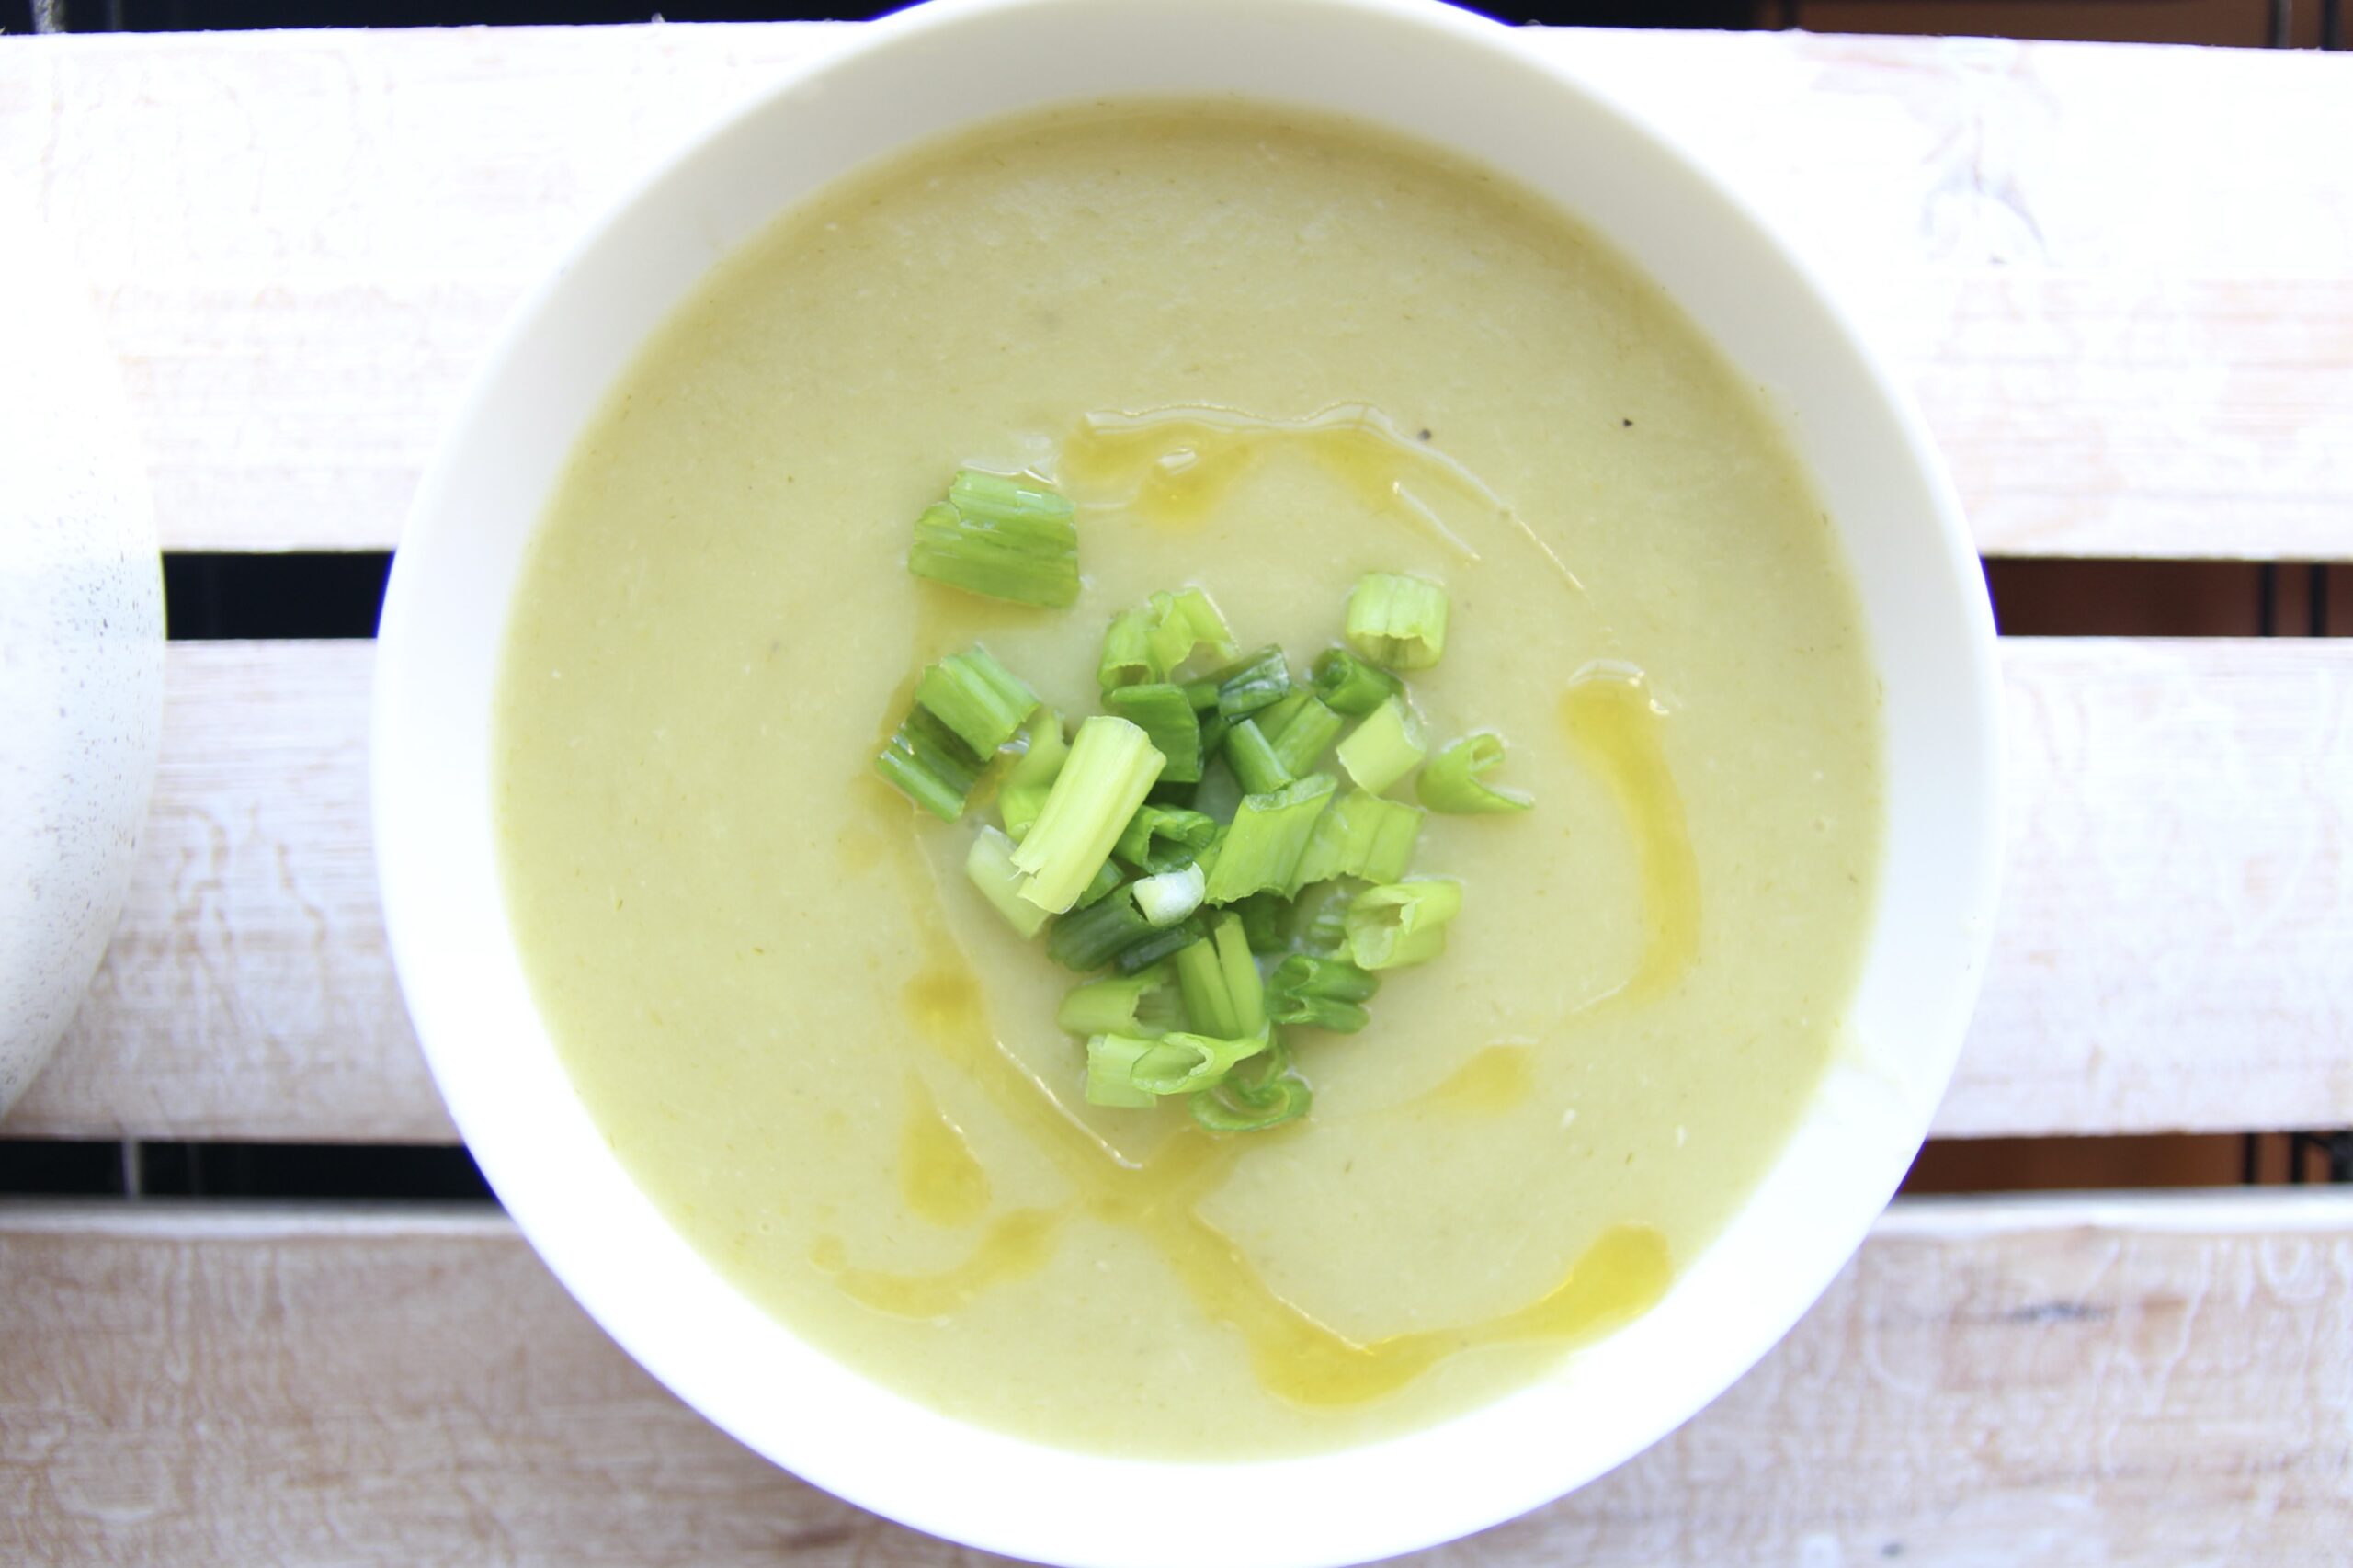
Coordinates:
<point>1127,653</point>
<point>1268,835</point>
<point>1397,622</point>
<point>1401,923</point>
<point>1161,711</point>
<point>1183,622</point>
<point>1319,918</point>
<point>1259,681</point>
<point>929,764</point>
<point>1453,780</point>
<point>1121,1067</point>
<point>1004,537</point>
<point>1362,835</point>
<point>1161,838</point>
<point>1088,939</point>
<point>1385,747</point>
<point>1301,734</point>
<point>1253,758</point>
<point>1214,731</point>
<point>1169,897</point>
<point>1321,991</point>
<point>1105,881</point>
<point>1023,793</point>
<point>1261,1093</point>
<point>1144,1003</point>
<point>1219,793</point>
<point>1346,684</point>
<point>1219,980</point>
<point>978,699</point>
<point>989,866</point>
<point>1266,921</point>
<point>1201,694</point>
<point>1110,767</point>
<point>1157,945</point>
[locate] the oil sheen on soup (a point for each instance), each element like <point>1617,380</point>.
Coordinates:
<point>837,1073</point>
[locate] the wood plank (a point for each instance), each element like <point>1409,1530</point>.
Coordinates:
<point>2170,954</point>
<point>2124,1382</point>
<point>2121,278</point>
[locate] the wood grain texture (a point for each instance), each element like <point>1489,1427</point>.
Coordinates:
<point>2171,953</point>
<point>2129,1381</point>
<point>2120,278</point>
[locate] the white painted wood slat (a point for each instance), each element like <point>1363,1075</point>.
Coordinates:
<point>2121,278</point>
<point>2136,1382</point>
<point>2171,953</point>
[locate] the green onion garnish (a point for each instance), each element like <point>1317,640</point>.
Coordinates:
<point>1385,747</point>
<point>1259,681</point>
<point>1220,981</point>
<point>1107,880</point>
<point>929,764</point>
<point>990,867</point>
<point>1022,795</point>
<point>1300,737</point>
<point>1346,684</point>
<point>1325,993</point>
<point>1163,943</point>
<point>1401,923</point>
<point>1088,939</point>
<point>1170,896</point>
<point>1256,766</point>
<point>1004,537</point>
<point>1121,1067</point>
<point>1144,1003</point>
<point>1261,1093</point>
<point>1268,835</point>
<point>1160,838</point>
<point>1397,622</point>
<point>1319,923</point>
<point>1362,835</point>
<point>1161,711</point>
<point>1451,781</point>
<point>1110,767</point>
<point>1127,653</point>
<point>977,698</point>
<point>1183,623</point>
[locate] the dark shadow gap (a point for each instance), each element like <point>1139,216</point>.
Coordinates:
<point>253,1172</point>
<point>302,594</point>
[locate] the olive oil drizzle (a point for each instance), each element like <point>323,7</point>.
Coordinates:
<point>1614,723</point>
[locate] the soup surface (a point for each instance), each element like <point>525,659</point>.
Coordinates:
<point>835,1068</point>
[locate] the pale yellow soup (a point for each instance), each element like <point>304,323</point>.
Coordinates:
<point>835,1068</point>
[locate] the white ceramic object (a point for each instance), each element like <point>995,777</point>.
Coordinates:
<point>81,647</point>
<point>1448,78</point>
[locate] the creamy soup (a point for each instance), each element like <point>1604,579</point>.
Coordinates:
<point>1267,354</point>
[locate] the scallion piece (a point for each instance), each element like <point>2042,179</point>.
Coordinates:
<point>1110,767</point>
<point>1001,536</point>
<point>1402,922</point>
<point>1362,835</point>
<point>1183,623</point>
<point>1259,1093</point>
<point>1453,780</point>
<point>1219,795</point>
<point>989,867</point>
<point>1219,980</point>
<point>1121,1067</point>
<point>1259,681</point>
<point>1269,834</point>
<point>1088,939</point>
<point>1127,653</point>
<point>1160,944</point>
<point>1161,838</point>
<point>1320,917</point>
<point>1254,760</point>
<point>1106,882</point>
<point>1397,622</point>
<point>1346,684</point>
<point>1214,731</point>
<point>1161,711</point>
<point>1266,921</point>
<point>1144,1003</point>
<point>1201,694</point>
<point>1385,747</point>
<point>1023,793</point>
<point>977,698</point>
<point>1302,735</point>
<point>929,764</point>
<point>1169,897</point>
<point>1323,992</point>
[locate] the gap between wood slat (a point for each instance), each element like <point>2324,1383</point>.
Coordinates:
<point>2132,1381</point>
<point>2170,954</point>
<point>2121,279</point>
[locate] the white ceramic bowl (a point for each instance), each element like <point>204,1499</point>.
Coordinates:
<point>1448,78</point>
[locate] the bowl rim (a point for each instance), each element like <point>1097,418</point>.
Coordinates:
<point>1375,1499</point>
